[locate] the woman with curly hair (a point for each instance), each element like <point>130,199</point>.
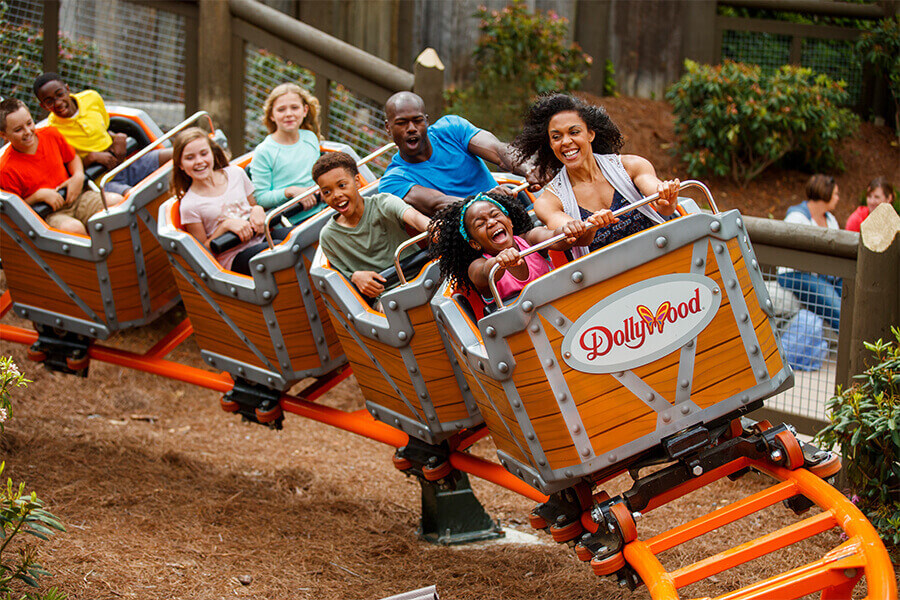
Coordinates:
<point>474,234</point>
<point>575,145</point>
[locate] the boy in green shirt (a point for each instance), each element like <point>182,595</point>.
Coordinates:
<point>360,240</point>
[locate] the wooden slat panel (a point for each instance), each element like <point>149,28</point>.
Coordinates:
<point>123,278</point>
<point>331,337</point>
<point>160,280</point>
<point>211,332</point>
<point>29,284</point>
<point>293,321</point>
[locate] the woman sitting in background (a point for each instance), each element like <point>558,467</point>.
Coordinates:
<point>282,163</point>
<point>878,192</point>
<point>820,294</point>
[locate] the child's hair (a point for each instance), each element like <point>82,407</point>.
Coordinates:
<point>43,79</point>
<point>181,181</point>
<point>8,107</point>
<point>880,182</point>
<point>450,248</point>
<point>334,160</point>
<point>820,187</point>
<point>310,122</point>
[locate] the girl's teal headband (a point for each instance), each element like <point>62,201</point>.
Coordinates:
<point>481,197</point>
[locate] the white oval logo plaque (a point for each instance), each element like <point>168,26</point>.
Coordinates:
<point>641,323</point>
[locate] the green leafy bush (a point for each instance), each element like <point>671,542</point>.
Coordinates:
<point>733,120</point>
<point>80,63</point>
<point>865,423</point>
<point>519,55</point>
<point>881,48</point>
<point>20,513</point>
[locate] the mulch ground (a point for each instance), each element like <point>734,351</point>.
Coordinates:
<point>166,496</point>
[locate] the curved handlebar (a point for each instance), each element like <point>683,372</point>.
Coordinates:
<point>418,238</point>
<point>110,175</point>
<point>277,211</point>
<point>691,183</point>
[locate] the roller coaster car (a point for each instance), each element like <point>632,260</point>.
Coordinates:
<point>609,359</point>
<point>265,329</point>
<point>90,285</point>
<point>398,356</point>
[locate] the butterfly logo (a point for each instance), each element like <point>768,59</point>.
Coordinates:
<point>654,320</point>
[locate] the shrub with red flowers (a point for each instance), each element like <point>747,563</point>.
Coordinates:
<point>734,120</point>
<point>519,55</point>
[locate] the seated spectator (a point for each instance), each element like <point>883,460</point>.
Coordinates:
<point>39,166</point>
<point>360,240</point>
<point>216,197</point>
<point>82,119</point>
<point>878,192</point>
<point>442,163</point>
<point>487,229</point>
<point>820,294</point>
<point>282,163</point>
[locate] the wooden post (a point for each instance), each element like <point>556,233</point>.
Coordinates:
<point>323,95</point>
<point>50,61</point>
<point>236,115</point>
<point>699,32</point>
<point>592,34</point>
<point>429,82</point>
<point>191,67</point>
<point>214,65</point>
<point>877,301</point>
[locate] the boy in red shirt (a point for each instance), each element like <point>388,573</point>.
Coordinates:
<point>39,163</point>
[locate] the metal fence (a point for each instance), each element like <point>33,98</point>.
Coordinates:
<point>129,53</point>
<point>134,54</point>
<point>770,44</point>
<point>810,343</point>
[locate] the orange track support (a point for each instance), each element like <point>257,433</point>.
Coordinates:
<point>834,575</point>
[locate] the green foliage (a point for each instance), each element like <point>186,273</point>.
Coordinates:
<point>881,48</point>
<point>733,120</point>
<point>80,63</point>
<point>20,513</point>
<point>865,423</point>
<point>519,55</point>
<point>609,80</point>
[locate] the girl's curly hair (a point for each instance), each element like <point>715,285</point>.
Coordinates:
<point>535,142</point>
<point>453,253</point>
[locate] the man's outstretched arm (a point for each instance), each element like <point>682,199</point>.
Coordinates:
<point>485,144</point>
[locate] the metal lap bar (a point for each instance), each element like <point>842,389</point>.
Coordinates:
<point>111,174</point>
<point>492,281</point>
<point>279,210</point>
<point>413,240</point>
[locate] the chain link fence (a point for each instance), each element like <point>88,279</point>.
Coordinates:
<point>806,325</point>
<point>835,58</point>
<point>130,53</point>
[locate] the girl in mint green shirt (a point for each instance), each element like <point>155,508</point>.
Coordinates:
<point>282,163</point>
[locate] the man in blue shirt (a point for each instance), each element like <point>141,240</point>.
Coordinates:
<point>442,163</point>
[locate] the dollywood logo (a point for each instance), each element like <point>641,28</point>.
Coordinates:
<point>641,323</point>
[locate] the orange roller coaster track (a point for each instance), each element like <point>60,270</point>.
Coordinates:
<point>835,575</point>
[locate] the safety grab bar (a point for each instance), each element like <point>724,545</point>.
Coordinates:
<point>418,238</point>
<point>277,211</point>
<point>691,183</point>
<point>110,175</point>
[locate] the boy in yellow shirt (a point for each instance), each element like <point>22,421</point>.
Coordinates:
<point>82,119</point>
